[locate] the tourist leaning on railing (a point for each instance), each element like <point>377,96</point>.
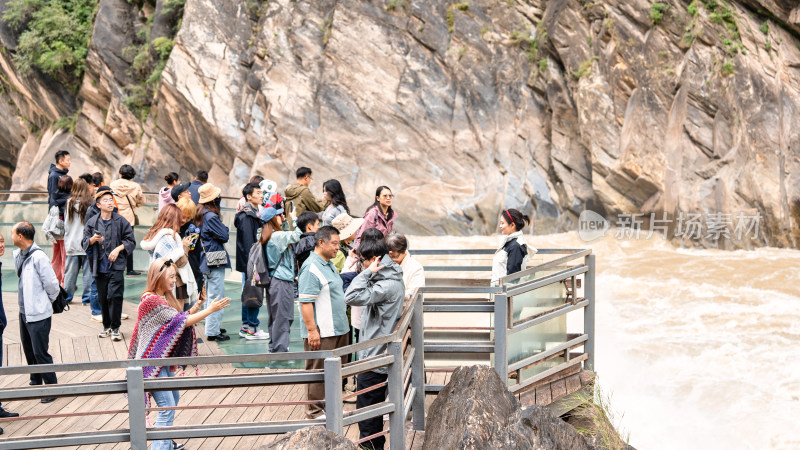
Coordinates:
<point>379,289</point>
<point>164,330</point>
<point>512,252</point>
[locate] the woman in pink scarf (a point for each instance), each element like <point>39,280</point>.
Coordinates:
<point>164,330</point>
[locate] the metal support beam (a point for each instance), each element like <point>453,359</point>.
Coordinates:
<point>397,422</point>
<point>333,395</point>
<point>501,336</point>
<point>588,313</point>
<point>137,417</point>
<point>418,365</point>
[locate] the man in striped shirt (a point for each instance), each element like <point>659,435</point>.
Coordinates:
<point>322,307</point>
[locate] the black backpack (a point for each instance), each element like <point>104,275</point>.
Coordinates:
<point>60,304</point>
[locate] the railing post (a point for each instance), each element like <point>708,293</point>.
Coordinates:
<point>137,416</point>
<point>397,421</point>
<point>588,314</point>
<point>418,364</point>
<point>501,336</point>
<point>333,395</point>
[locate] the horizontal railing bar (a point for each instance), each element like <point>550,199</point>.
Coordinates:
<point>229,429</point>
<point>369,412</point>
<point>63,390</point>
<point>354,348</point>
<point>472,251</point>
<point>543,355</point>
<point>65,440</point>
<point>541,376</point>
<point>184,361</point>
<point>459,347</point>
<point>366,365</point>
<point>225,381</point>
<point>462,290</point>
<point>457,268</point>
<point>538,319</point>
<point>550,279</point>
<point>433,387</point>
<point>578,253</point>
<point>460,307</point>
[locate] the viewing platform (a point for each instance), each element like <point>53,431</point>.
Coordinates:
<point>536,329</point>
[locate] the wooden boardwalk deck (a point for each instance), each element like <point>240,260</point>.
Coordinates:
<point>73,338</point>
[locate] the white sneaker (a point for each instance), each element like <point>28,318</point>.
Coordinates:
<point>97,318</point>
<point>258,335</point>
<point>124,316</point>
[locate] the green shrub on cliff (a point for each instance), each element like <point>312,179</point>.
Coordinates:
<point>54,36</point>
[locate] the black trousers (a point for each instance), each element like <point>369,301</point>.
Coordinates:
<point>110,289</point>
<point>130,262</point>
<point>35,338</point>
<point>371,426</point>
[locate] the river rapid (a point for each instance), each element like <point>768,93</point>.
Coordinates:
<point>695,348</point>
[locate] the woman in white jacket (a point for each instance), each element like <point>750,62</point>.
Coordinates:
<point>512,251</point>
<point>163,240</point>
<point>74,217</point>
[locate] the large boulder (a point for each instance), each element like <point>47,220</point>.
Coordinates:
<point>311,438</point>
<point>476,411</point>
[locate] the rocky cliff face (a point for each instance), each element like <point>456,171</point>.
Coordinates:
<point>550,106</point>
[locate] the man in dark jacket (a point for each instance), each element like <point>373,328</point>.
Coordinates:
<point>247,225</point>
<point>108,239</point>
<point>3,324</point>
<point>200,178</point>
<point>309,223</point>
<point>57,170</point>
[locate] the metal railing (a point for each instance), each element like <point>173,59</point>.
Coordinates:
<point>404,360</point>
<point>500,306</point>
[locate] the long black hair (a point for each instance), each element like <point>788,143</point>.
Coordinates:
<point>517,218</point>
<point>334,188</point>
<point>389,212</point>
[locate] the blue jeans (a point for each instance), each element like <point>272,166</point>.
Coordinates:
<point>215,287</point>
<point>75,264</point>
<point>165,418</point>
<point>249,315</point>
<point>94,300</point>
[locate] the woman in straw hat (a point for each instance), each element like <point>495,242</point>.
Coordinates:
<point>213,236</point>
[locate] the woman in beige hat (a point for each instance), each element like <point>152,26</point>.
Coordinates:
<point>347,226</point>
<point>213,236</point>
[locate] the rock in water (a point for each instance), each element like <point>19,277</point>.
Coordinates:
<point>476,411</point>
<point>311,438</point>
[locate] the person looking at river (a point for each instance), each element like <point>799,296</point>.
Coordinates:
<point>512,252</point>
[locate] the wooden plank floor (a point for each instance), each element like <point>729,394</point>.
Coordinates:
<point>73,338</point>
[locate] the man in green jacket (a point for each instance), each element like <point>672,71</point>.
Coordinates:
<point>299,195</point>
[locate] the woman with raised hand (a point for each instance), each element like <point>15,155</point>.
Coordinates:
<point>512,252</point>
<point>335,201</point>
<point>164,330</point>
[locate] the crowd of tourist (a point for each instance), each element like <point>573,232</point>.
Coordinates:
<point>349,275</point>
